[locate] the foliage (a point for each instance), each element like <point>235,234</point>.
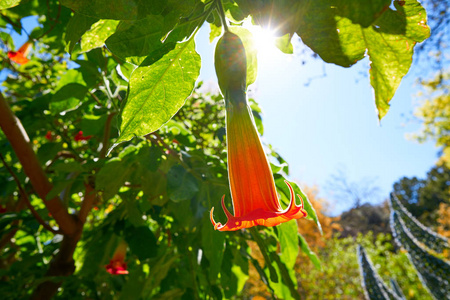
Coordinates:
<point>374,287</point>
<point>433,271</point>
<point>423,234</point>
<point>365,218</point>
<point>422,197</point>
<point>84,167</point>
<point>410,235</point>
<point>434,114</point>
<point>339,276</point>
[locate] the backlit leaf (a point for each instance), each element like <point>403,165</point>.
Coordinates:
<point>158,90</point>
<point>97,35</point>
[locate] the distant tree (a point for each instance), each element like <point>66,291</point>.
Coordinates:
<point>423,197</point>
<point>438,15</point>
<point>434,114</point>
<point>365,218</point>
<point>344,190</point>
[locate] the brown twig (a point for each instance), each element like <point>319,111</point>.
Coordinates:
<point>106,134</point>
<point>54,23</point>
<point>88,202</point>
<point>25,197</point>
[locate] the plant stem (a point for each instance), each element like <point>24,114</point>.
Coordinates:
<point>221,13</point>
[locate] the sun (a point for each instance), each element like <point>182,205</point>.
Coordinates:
<point>263,39</point>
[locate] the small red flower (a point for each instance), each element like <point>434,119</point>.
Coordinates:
<point>117,265</point>
<point>49,135</point>
<point>79,137</point>
<point>3,209</point>
<point>19,56</point>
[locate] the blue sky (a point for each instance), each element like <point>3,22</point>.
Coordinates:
<point>332,122</point>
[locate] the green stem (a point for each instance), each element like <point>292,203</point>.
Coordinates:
<point>221,12</point>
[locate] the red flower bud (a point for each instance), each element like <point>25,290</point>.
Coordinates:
<point>79,137</point>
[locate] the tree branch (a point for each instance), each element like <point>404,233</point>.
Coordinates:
<point>20,142</point>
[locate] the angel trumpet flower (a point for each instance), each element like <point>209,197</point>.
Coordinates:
<point>20,56</point>
<point>117,265</point>
<point>253,191</point>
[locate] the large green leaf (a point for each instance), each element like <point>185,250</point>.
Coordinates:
<point>390,46</point>
<point>97,35</point>
<point>343,33</point>
<point>181,185</point>
<point>76,27</point>
<point>362,13</point>
<point>334,38</point>
<point>287,235</point>
<point>142,242</point>
<point>213,247</point>
<point>136,38</point>
<point>9,3</point>
<point>158,90</point>
<point>118,9</point>
<point>305,249</point>
<point>111,177</point>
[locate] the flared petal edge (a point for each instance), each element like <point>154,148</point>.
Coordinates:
<point>260,216</point>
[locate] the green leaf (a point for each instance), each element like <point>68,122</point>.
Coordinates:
<point>97,35</point>
<point>68,97</point>
<point>136,38</point>
<point>390,47</point>
<point>181,185</point>
<point>284,44</point>
<point>117,10</point>
<point>9,3</point>
<point>213,243</point>
<point>134,286</point>
<point>216,31</point>
<point>142,242</point>
<point>344,33</point>
<point>265,252</point>
<point>281,186</point>
<point>362,13</point>
<point>76,27</point>
<point>335,39</point>
<point>158,89</point>
<point>111,177</point>
<point>305,249</point>
<point>287,235</point>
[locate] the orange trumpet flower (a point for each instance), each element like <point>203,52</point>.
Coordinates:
<point>253,191</point>
<point>19,56</point>
<point>117,265</point>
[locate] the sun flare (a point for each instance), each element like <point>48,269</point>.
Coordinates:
<point>264,39</point>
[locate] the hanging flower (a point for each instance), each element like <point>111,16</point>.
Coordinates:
<point>253,191</point>
<point>79,137</point>
<point>117,265</point>
<point>20,56</point>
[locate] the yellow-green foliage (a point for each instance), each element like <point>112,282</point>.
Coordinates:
<point>340,276</point>
<point>434,112</point>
